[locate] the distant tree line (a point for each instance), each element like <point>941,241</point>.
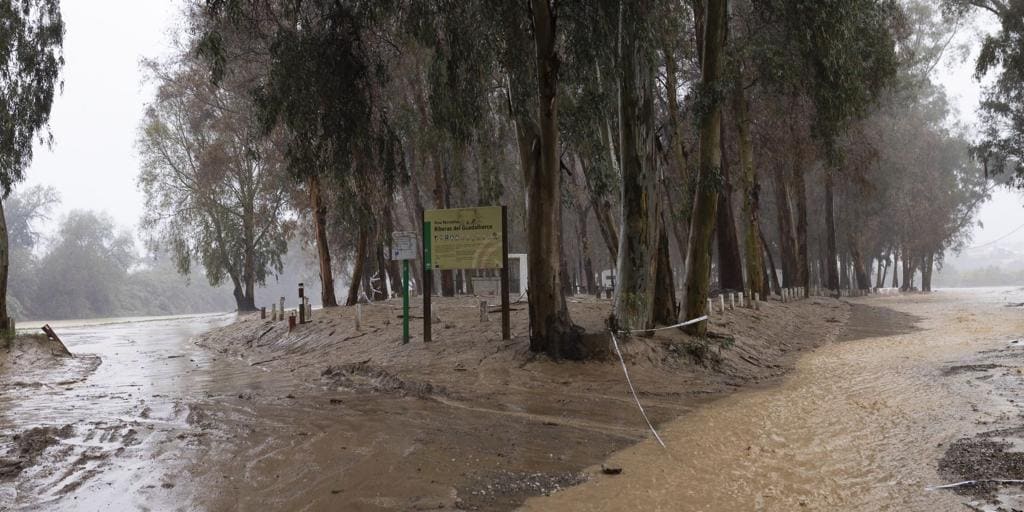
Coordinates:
<point>89,268</point>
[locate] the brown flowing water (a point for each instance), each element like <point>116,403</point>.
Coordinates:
<point>858,425</point>
<point>162,424</point>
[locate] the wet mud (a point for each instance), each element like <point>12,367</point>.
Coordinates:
<point>814,405</point>
<point>862,424</point>
<point>249,416</point>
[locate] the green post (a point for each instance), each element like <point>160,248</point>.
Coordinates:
<point>405,301</point>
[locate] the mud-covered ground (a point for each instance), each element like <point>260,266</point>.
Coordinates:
<point>328,417</point>
<point>863,404</point>
<point>984,459</point>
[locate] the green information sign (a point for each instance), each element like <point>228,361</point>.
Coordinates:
<point>462,238</point>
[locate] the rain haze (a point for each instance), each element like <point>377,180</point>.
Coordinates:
<point>545,255</point>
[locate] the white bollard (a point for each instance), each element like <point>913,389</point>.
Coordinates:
<point>732,301</point>
<point>710,309</point>
<point>721,303</point>
<point>742,304</point>
<point>757,301</point>
<point>359,316</point>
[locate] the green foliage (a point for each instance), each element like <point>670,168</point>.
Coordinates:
<point>841,53</point>
<point>1000,147</point>
<point>213,180</point>
<point>31,40</point>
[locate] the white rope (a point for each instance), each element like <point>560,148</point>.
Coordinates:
<point>676,326</point>
<point>971,482</point>
<point>632,390</point>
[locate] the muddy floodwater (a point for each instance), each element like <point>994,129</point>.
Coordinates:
<point>858,426</point>
<point>144,419</point>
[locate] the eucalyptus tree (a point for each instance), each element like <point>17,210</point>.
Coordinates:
<point>840,55</point>
<point>32,57</point>
<point>212,180</point>
<point>1000,148</point>
<point>712,29</point>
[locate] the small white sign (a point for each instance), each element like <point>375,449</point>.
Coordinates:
<point>403,245</point>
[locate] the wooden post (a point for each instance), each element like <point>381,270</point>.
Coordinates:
<point>483,311</point>
<point>428,279</point>
<point>263,313</point>
<point>506,323</point>
<point>281,309</point>
<point>273,312</point>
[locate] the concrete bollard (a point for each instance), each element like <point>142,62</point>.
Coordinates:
<point>740,300</point>
<point>359,316</point>
<point>273,312</point>
<point>710,308</point>
<point>721,303</point>
<point>309,311</point>
<point>483,311</point>
<point>757,301</point>
<point>732,301</point>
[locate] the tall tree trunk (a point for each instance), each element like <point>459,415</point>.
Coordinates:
<point>730,263</point>
<point>5,259</point>
<point>551,328</point>
<point>249,261</point>
<point>830,229</point>
<point>357,267</point>
<point>319,212</point>
<point>678,212</point>
<point>895,268</point>
<point>638,240</point>
<point>926,272</point>
<point>239,293</point>
<point>909,268</point>
<point>787,243</point>
<point>380,290</point>
<point>394,270</point>
<point>666,309</point>
<point>705,206</point>
<point>587,262</point>
<point>883,270</point>
<point>751,196</point>
<point>602,211</point>
<point>774,285</point>
<point>441,201</point>
<point>803,251</point>
<point>859,272</point>
<point>844,275</point>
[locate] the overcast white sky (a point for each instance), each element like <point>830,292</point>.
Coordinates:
<point>93,163</point>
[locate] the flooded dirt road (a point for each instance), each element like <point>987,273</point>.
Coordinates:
<point>334,419</point>
<point>859,425</point>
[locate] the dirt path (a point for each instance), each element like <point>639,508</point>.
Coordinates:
<point>859,425</point>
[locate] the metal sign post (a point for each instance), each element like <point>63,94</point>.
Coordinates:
<point>403,247</point>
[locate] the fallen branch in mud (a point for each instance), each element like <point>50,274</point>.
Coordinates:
<point>974,482</point>
<point>53,337</point>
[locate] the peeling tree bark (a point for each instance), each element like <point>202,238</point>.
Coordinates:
<point>698,268</point>
<point>638,240</point>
